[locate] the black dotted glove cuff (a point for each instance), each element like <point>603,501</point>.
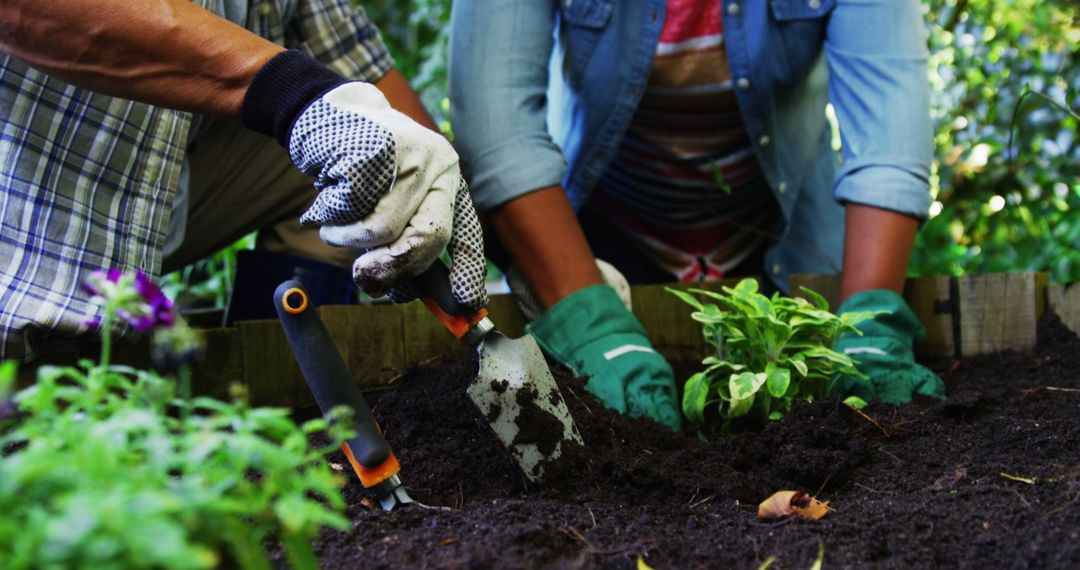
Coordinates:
<point>281,90</point>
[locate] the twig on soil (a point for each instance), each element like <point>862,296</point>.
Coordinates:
<point>592,516</point>
<point>1031,391</point>
<point>868,418</point>
<point>638,547</point>
<point>703,501</point>
<point>873,490</point>
<point>583,403</point>
<point>1067,505</point>
<point>822,487</point>
<point>1057,389</point>
<point>897,459</point>
<point>576,535</point>
<point>1019,496</point>
<point>1018,479</point>
<point>461,497</point>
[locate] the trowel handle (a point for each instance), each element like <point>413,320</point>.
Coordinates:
<point>332,384</point>
<point>433,288</point>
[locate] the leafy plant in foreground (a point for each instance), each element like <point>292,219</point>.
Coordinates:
<point>769,351</point>
<point>105,468</point>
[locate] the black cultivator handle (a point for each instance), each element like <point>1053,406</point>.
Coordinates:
<point>331,382</point>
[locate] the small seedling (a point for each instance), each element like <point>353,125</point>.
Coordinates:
<point>769,352</point>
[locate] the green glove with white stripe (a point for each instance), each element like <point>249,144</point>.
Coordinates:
<point>593,333</point>
<point>884,351</point>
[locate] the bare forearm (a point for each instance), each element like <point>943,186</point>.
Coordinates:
<point>169,53</point>
<point>877,246</point>
<point>402,97</point>
<point>542,235</point>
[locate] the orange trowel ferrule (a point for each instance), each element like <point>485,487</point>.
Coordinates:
<point>375,475</point>
<point>457,325</point>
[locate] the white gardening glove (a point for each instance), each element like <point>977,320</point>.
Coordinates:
<point>386,184</point>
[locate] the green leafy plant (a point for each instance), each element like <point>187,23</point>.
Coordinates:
<point>102,466</point>
<point>769,352</point>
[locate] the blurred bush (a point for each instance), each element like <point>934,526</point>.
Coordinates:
<point>1002,207</point>
<point>998,207</point>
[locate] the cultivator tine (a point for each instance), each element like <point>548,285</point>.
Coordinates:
<point>395,495</point>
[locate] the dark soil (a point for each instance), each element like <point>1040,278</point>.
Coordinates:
<point>925,489</point>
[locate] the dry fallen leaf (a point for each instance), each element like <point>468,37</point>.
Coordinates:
<point>786,503</point>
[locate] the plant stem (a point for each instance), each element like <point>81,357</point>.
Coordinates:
<point>185,391</point>
<point>106,337</point>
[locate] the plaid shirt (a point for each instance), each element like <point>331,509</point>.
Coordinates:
<point>88,180</point>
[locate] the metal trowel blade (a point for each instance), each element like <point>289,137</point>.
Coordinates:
<point>516,393</point>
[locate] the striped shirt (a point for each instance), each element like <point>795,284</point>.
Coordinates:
<point>685,185</point>
<point>88,181</point>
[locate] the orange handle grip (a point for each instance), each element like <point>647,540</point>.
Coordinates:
<point>371,477</point>
<point>458,325</point>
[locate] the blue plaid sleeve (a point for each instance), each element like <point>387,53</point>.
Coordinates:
<point>341,37</point>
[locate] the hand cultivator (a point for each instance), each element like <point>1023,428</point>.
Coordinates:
<point>332,385</point>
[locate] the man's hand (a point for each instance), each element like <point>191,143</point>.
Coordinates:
<point>884,351</point>
<point>386,184</point>
<point>593,333</point>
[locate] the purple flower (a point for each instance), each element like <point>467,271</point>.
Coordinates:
<point>134,298</point>
<point>97,283</point>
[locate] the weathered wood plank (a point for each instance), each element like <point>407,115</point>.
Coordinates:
<point>1042,281</point>
<point>993,313</point>
<point>1064,301</point>
<point>222,364</point>
<point>369,338</point>
<point>827,286</point>
<point>930,298</point>
<point>270,372</point>
<point>424,336</point>
<point>998,312</point>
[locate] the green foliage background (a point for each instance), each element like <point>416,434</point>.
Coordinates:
<point>1002,207</point>
<point>993,214</point>
<point>998,207</point>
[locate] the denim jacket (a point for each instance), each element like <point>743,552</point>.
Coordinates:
<point>542,92</point>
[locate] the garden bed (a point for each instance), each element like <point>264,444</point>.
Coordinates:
<point>990,477</point>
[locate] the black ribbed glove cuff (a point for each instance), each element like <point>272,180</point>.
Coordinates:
<point>281,90</point>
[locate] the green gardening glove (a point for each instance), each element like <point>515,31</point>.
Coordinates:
<point>884,351</point>
<point>593,333</point>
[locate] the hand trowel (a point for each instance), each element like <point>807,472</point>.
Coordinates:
<point>513,389</point>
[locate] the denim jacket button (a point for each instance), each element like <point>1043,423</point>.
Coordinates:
<point>776,269</point>
<point>743,83</point>
<point>764,140</point>
<point>782,187</point>
<point>733,9</point>
<point>814,4</point>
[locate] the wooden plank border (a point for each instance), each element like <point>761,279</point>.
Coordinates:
<point>964,316</point>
